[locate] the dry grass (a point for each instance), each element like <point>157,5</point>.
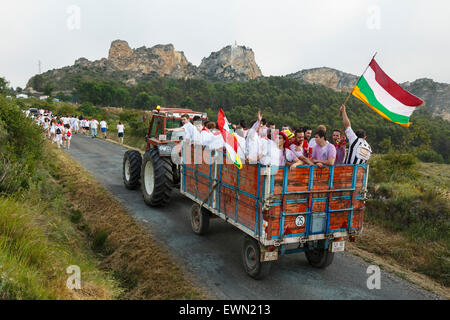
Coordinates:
<point>397,254</point>
<point>144,268</point>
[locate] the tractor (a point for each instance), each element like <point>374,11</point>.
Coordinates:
<point>155,172</point>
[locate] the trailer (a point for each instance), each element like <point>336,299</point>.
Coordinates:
<point>310,209</point>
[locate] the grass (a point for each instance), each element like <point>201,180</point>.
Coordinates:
<point>37,244</point>
<point>144,269</point>
<point>408,215</point>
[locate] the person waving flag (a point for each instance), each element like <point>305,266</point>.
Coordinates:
<point>229,137</point>
<point>385,96</point>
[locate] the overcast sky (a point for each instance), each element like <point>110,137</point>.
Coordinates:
<point>412,37</point>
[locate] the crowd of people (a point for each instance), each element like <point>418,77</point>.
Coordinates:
<point>263,143</point>
<point>60,129</point>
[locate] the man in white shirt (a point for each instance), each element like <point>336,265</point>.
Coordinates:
<point>120,131</point>
<point>94,127</point>
<point>103,127</point>
<point>188,128</point>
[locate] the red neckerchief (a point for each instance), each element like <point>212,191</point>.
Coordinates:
<point>341,144</point>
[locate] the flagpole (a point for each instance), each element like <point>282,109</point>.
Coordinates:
<point>349,95</point>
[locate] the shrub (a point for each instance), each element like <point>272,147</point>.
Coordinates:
<point>430,156</point>
<point>394,166</point>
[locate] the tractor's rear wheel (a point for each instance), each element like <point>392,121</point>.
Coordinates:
<point>131,173</point>
<point>156,179</point>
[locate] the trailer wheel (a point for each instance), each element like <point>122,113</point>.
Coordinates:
<point>131,173</point>
<point>156,179</point>
<point>199,219</point>
<point>319,257</point>
<point>251,253</point>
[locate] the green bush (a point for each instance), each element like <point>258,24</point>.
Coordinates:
<point>394,166</point>
<point>430,156</point>
<point>21,148</point>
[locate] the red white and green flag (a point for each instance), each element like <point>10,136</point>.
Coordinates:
<point>229,137</point>
<point>385,96</point>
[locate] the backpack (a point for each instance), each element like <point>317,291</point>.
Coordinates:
<point>58,130</point>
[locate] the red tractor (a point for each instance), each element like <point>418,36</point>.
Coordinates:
<point>155,171</point>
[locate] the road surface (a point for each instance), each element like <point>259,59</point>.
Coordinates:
<point>215,259</point>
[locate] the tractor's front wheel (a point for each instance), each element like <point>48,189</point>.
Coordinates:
<point>156,179</point>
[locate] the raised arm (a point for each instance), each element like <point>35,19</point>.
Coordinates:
<point>345,118</point>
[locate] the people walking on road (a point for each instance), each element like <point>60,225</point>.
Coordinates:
<point>104,128</point>
<point>94,127</point>
<point>120,131</point>
<point>67,137</point>
<point>53,130</point>
<point>59,134</point>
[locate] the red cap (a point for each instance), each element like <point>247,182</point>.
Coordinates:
<point>286,139</point>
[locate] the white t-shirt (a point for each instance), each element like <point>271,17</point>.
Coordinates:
<point>103,124</point>
<point>94,124</point>
<point>120,128</point>
<point>350,135</point>
<point>189,130</point>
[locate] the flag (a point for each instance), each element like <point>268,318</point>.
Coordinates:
<point>229,137</point>
<point>385,96</point>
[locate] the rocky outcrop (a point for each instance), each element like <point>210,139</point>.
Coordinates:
<point>232,63</point>
<point>129,65</point>
<point>436,95</point>
<point>160,59</point>
<point>331,78</point>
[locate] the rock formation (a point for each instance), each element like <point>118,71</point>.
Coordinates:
<point>232,63</point>
<point>131,65</point>
<point>331,78</point>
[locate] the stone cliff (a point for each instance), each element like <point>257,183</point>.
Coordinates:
<point>232,63</point>
<point>331,78</point>
<point>131,65</point>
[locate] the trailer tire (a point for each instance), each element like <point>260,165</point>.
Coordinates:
<point>156,179</point>
<point>131,173</point>
<point>251,254</point>
<point>199,219</point>
<point>319,257</point>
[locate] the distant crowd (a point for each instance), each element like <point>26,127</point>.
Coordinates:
<point>59,129</point>
<point>263,143</point>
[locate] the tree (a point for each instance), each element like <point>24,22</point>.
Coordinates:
<point>38,83</point>
<point>48,89</point>
<point>3,85</point>
<point>187,103</point>
<point>142,100</point>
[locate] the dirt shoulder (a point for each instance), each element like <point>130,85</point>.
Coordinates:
<point>144,269</point>
<point>382,247</point>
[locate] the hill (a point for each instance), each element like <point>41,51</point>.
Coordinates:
<point>128,66</point>
<point>436,95</point>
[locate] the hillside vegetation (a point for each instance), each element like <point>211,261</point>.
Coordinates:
<point>283,101</point>
<point>54,215</point>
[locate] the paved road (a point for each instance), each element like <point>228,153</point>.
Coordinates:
<point>215,260</point>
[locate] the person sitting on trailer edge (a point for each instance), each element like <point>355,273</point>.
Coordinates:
<point>324,153</point>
